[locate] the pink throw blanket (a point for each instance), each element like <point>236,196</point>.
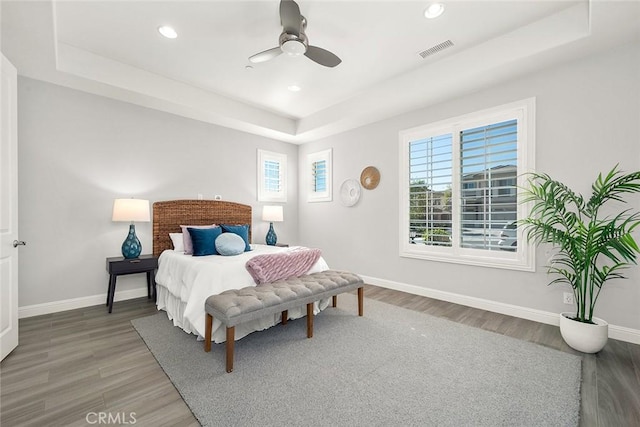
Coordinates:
<point>273,267</point>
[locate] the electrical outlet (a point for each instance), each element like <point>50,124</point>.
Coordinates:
<point>200,196</point>
<point>567,298</point>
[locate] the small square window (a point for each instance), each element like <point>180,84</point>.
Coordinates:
<point>272,176</point>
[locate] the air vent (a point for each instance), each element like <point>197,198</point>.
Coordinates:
<point>435,49</point>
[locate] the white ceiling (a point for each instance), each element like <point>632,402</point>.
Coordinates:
<point>112,48</point>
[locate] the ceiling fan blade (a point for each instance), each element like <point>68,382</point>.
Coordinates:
<point>266,55</point>
<point>290,17</point>
<point>322,56</point>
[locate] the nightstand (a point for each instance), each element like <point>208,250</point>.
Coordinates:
<point>117,266</point>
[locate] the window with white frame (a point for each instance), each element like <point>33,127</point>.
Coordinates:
<point>272,176</point>
<point>319,176</point>
<point>459,180</point>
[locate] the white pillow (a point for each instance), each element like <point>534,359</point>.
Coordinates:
<point>228,244</point>
<point>178,242</point>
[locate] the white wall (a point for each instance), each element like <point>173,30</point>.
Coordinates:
<point>78,152</point>
<point>588,115</point>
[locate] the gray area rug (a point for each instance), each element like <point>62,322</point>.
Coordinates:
<point>391,367</point>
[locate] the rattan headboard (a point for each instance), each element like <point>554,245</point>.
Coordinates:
<point>169,215</point>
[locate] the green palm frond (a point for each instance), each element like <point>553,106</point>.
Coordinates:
<point>612,187</point>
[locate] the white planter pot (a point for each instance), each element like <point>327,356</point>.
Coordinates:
<point>584,337</point>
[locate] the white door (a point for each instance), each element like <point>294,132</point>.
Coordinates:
<point>8,209</point>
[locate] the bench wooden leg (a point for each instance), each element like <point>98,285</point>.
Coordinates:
<point>310,320</point>
<point>231,332</point>
<point>207,332</point>
<point>285,317</point>
<point>361,302</point>
<point>335,301</point>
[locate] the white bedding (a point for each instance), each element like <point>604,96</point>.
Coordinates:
<point>184,282</point>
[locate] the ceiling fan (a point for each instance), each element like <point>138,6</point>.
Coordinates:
<point>293,41</point>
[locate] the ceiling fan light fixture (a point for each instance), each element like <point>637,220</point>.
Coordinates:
<point>293,48</point>
<point>434,10</point>
<point>293,41</point>
<point>167,32</point>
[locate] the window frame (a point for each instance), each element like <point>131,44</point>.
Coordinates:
<point>264,195</point>
<point>524,256</point>
<point>319,196</point>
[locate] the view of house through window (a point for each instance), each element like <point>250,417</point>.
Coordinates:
<point>488,174</point>
<point>461,178</point>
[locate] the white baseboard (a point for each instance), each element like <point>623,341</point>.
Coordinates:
<point>70,304</point>
<point>623,333</point>
<point>615,332</point>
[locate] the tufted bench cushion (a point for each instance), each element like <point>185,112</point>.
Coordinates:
<point>237,306</point>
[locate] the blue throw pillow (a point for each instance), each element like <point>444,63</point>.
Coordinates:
<point>204,240</point>
<point>240,230</point>
<point>230,244</point>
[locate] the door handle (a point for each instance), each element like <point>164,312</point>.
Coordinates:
<point>17,243</point>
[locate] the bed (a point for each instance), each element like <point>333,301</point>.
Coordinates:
<point>184,282</point>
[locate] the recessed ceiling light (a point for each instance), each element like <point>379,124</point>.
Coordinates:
<point>294,88</point>
<point>167,32</point>
<point>434,10</point>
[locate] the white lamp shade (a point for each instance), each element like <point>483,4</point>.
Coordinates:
<point>131,210</point>
<point>272,213</point>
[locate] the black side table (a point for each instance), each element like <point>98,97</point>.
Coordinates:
<point>117,266</point>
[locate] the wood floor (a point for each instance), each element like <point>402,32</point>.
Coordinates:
<point>73,367</point>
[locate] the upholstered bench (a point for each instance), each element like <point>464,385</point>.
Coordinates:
<point>237,306</point>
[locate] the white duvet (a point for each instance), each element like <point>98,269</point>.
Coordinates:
<point>184,282</point>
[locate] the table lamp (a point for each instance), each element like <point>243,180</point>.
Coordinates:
<point>131,210</point>
<point>271,214</point>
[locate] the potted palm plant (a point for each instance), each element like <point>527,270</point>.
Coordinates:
<point>593,245</point>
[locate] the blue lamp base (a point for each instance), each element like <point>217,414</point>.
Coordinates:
<point>271,238</point>
<point>131,247</point>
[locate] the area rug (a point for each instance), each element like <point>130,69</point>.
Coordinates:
<point>392,367</point>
